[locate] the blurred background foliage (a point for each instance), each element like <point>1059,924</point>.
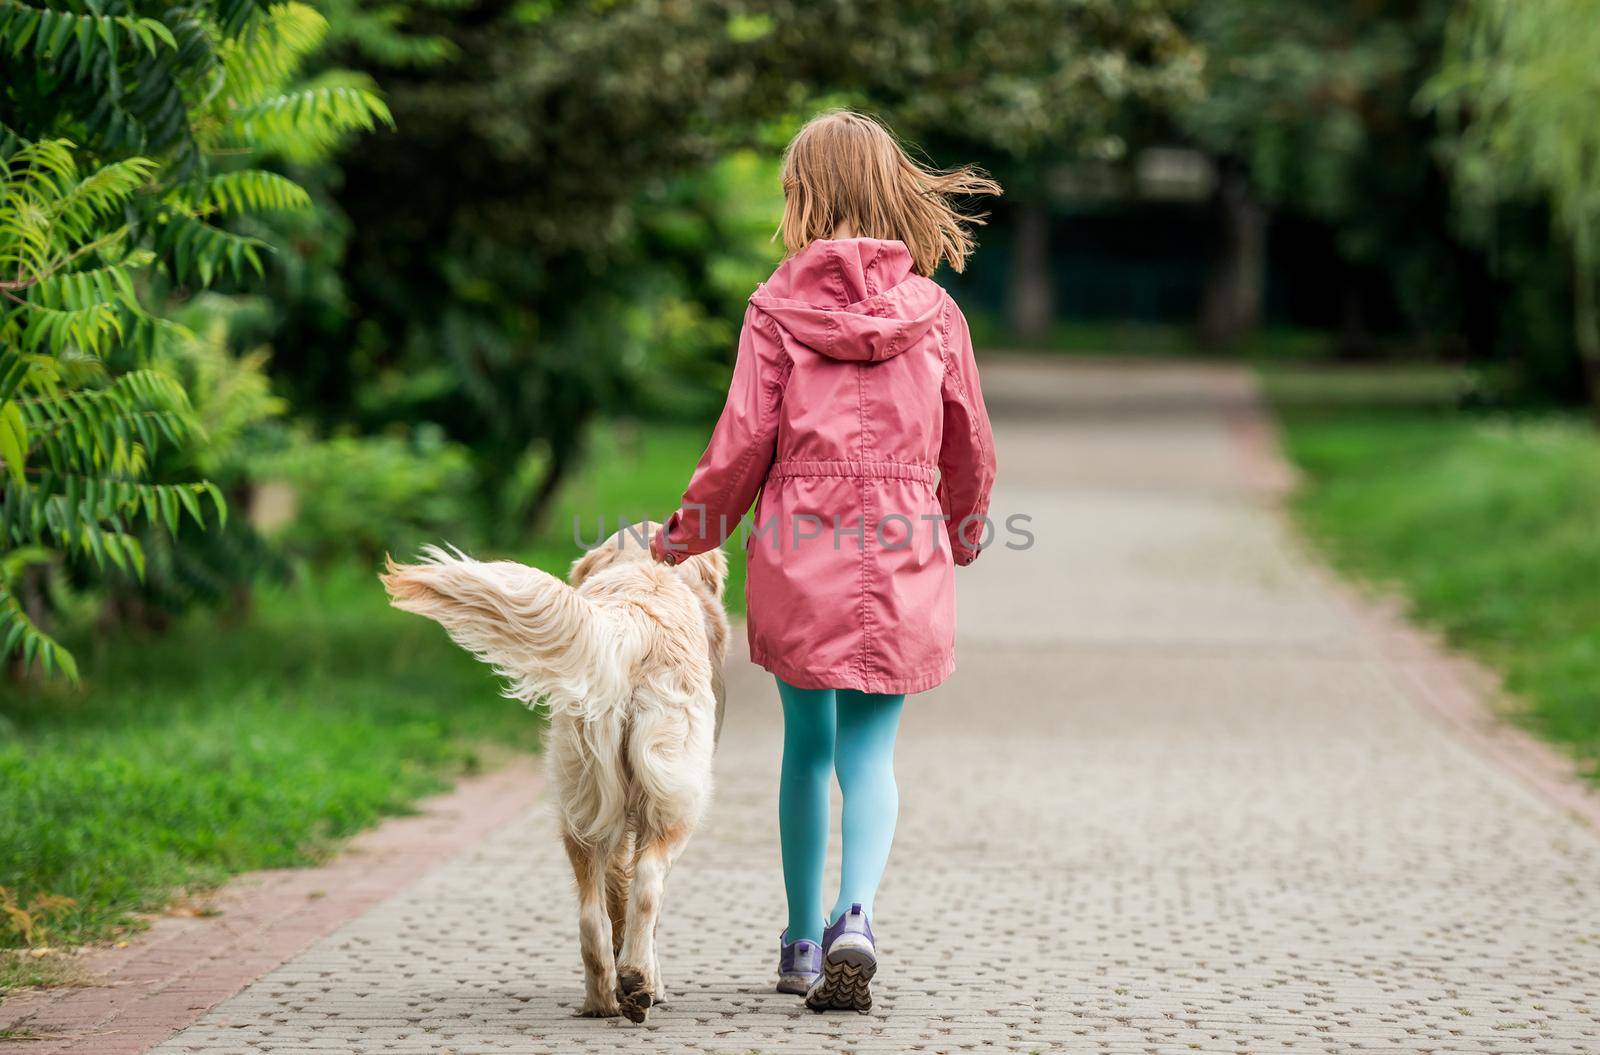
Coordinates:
<point>419,331</point>
<point>353,345</point>
<point>368,273</point>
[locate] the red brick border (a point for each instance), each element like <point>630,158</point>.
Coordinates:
<point>182,967</point>
<point>168,978</point>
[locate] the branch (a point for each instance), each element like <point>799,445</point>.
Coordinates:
<point>20,283</point>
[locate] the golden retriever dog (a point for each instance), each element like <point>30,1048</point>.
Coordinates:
<point>627,655</point>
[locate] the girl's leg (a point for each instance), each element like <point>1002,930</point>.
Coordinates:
<point>808,723</point>
<point>864,760</point>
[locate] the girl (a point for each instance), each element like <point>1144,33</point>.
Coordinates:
<point>854,413</point>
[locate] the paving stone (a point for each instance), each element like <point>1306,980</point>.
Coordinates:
<point>1179,797</point>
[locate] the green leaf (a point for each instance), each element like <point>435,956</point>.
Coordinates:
<point>23,637</point>
<point>169,509</point>
<point>221,503</point>
<point>13,441</point>
<point>192,504</point>
<point>253,190</point>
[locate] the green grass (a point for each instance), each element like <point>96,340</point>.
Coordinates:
<point>213,749</point>
<point>261,742</point>
<point>1488,523</point>
<point>19,968</point>
<point>635,473</point>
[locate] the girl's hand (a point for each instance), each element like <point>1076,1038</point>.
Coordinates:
<point>658,549</point>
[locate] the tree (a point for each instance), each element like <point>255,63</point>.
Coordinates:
<point>1517,91</point>
<point>506,285</point>
<point>1023,87</point>
<point>1308,109</point>
<point>126,138</point>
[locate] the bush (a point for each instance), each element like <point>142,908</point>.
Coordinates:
<point>363,496</point>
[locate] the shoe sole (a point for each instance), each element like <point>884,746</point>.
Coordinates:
<point>846,981</point>
<point>796,984</point>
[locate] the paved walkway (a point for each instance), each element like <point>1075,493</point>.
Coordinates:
<point>1181,796</point>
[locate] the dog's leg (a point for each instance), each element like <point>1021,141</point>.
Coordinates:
<point>619,874</point>
<point>594,930</point>
<point>660,988</point>
<point>637,972</point>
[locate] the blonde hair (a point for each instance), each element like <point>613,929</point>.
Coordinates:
<point>847,168</point>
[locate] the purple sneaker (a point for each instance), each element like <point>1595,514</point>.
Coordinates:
<point>849,961</point>
<point>799,963</point>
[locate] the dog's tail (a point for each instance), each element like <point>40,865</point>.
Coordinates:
<point>547,641</point>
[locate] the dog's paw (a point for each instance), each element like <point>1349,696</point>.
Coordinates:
<point>634,996</point>
<point>599,1009</point>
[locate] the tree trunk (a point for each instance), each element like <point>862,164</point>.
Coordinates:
<point>1355,336</point>
<point>1231,306</point>
<point>1587,326</point>
<point>1031,307</point>
<point>1480,314</point>
<point>544,497</point>
<point>564,455</point>
<point>28,590</point>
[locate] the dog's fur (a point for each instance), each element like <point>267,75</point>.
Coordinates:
<point>628,658</point>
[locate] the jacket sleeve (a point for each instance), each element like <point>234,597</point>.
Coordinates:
<point>966,452</point>
<point>736,461</point>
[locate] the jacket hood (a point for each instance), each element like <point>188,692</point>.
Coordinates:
<point>851,298</point>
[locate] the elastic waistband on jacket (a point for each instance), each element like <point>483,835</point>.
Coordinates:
<point>869,470</point>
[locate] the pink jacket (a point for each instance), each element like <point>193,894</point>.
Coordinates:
<point>855,414</point>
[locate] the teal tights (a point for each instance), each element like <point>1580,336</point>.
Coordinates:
<point>828,731</point>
